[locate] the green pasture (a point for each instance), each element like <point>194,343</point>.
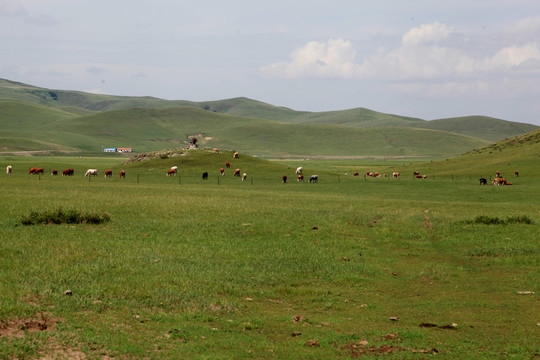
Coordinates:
<point>351,267</point>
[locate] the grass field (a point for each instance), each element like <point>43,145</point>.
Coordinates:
<point>350,267</point>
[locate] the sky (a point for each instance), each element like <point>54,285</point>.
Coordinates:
<point>420,58</point>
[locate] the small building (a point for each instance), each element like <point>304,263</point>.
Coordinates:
<point>109,150</point>
<point>123,150</point>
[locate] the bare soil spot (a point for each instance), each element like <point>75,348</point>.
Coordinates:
<point>18,328</point>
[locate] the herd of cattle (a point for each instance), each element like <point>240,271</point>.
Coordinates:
<point>499,180</point>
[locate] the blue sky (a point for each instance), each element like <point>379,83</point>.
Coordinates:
<point>426,59</point>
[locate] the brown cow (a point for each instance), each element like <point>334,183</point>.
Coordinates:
<point>108,173</point>
<point>300,178</point>
<point>222,171</point>
<point>418,176</point>
<point>235,155</point>
<point>227,164</point>
<point>284,179</point>
<point>68,172</point>
<point>54,172</point>
<point>236,172</point>
<point>122,174</point>
<point>35,171</point>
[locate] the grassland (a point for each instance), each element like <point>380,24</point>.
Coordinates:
<point>350,267</point>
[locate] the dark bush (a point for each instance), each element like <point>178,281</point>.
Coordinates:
<point>489,220</point>
<point>60,216</point>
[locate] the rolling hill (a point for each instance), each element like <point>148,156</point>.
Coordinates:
<point>34,118</point>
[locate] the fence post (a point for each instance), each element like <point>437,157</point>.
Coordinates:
<point>218,180</point>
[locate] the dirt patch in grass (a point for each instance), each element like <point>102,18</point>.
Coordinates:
<point>18,328</point>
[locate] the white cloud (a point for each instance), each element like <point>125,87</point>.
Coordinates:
<point>333,59</point>
<point>420,56</point>
<point>427,33</point>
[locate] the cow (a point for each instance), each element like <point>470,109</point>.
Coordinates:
<point>376,175</point>
<point>284,179</point>
<point>36,171</point>
<point>172,171</point>
<point>314,179</point>
<point>416,173</point>
<point>483,181</point>
<point>122,174</point>
<point>222,171</point>
<point>216,151</point>
<point>500,181</point>
<point>235,155</point>
<point>205,176</point>
<point>497,174</point>
<point>91,172</point>
<point>300,178</point>
<point>299,170</point>
<point>54,172</point>
<point>68,172</point>
<point>396,174</point>
<point>9,169</point>
<point>244,177</point>
<point>420,176</point>
<point>108,173</point>
<point>356,174</point>
<point>369,173</point>
<point>227,164</point>
<point>516,174</point>
<point>236,172</point>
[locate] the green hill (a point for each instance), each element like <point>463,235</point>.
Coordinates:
<point>60,119</point>
<point>520,153</point>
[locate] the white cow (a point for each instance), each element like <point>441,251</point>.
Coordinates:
<point>299,170</point>
<point>91,172</point>
<point>8,169</point>
<point>244,177</point>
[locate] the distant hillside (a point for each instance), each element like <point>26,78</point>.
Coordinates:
<point>520,153</point>
<point>154,129</point>
<point>490,129</point>
<point>89,122</point>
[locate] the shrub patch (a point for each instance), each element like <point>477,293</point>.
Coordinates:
<point>60,216</point>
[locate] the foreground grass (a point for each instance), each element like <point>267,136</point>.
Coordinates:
<point>197,270</point>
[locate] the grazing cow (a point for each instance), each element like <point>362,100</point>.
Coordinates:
<point>205,175</point>
<point>227,164</point>
<point>396,174</point>
<point>236,172</point>
<point>244,177</point>
<point>300,178</point>
<point>284,179</point>
<point>500,181</point>
<point>314,179</point>
<point>369,173</point>
<point>54,172</point>
<point>216,151</point>
<point>68,172</point>
<point>416,173</point>
<point>222,171</point>
<point>235,155</point>
<point>172,171</point>
<point>122,174</point>
<point>9,169</point>
<point>497,174</point>
<point>35,171</point>
<point>516,174</point>
<point>91,172</point>
<point>356,174</point>
<point>376,175</point>
<point>299,170</point>
<point>420,176</point>
<point>483,181</point>
<point>108,173</point>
